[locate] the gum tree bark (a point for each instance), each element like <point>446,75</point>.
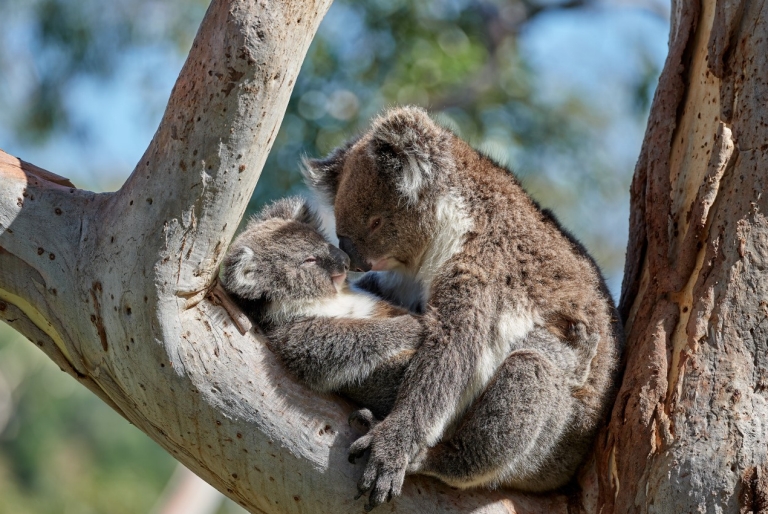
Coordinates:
<point>690,426</point>
<point>116,288</point>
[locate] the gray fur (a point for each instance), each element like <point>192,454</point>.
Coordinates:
<point>520,355</point>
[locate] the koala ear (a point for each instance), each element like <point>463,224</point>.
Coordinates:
<point>238,278</point>
<point>322,175</point>
<point>407,142</point>
<point>292,208</point>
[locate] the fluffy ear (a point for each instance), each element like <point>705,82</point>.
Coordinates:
<point>292,208</point>
<point>322,175</point>
<point>407,142</point>
<point>239,277</point>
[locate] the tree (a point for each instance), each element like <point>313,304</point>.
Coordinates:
<point>688,431</point>
<point>117,288</point>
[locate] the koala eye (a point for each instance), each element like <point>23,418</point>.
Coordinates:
<point>310,260</point>
<point>375,223</point>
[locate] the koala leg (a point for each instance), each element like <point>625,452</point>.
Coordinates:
<point>509,432</point>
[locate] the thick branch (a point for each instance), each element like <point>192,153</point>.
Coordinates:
<point>193,183</point>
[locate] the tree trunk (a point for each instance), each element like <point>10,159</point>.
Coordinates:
<point>690,426</point>
<point>115,288</point>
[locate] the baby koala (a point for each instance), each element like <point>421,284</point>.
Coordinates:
<point>288,279</point>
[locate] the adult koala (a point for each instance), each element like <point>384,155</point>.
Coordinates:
<point>487,400</point>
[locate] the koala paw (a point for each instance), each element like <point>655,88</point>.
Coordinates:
<point>385,471</point>
<point>358,449</point>
<point>362,420</point>
<point>579,335</point>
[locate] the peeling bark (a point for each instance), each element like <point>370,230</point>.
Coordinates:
<point>690,425</point>
<point>119,289</point>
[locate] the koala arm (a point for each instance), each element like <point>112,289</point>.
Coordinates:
<point>458,325</point>
<point>330,353</point>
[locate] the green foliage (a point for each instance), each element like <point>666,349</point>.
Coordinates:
<point>460,59</point>
<point>63,449</point>
<point>72,39</point>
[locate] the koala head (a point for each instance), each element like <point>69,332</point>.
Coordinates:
<point>383,187</point>
<point>283,255</point>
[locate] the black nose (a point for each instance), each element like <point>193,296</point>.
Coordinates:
<point>340,258</point>
<point>357,261</point>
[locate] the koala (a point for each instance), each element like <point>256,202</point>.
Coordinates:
<point>519,359</point>
<point>288,279</point>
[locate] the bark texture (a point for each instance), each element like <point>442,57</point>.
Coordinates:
<point>690,425</point>
<point>116,288</point>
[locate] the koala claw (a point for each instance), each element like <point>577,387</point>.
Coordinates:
<point>362,420</point>
<point>359,447</point>
<point>384,483</point>
<point>385,471</point>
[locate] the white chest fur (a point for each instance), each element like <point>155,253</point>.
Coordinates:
<point>453,223</point>
<point>346,304</point>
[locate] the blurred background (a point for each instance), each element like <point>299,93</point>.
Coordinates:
<point>557,90</point>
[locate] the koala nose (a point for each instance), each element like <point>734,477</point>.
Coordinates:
<point>356,260</point>
<point>340,257</point>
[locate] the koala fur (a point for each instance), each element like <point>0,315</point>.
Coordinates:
<point>519,360</point>
<point>289,280</point>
